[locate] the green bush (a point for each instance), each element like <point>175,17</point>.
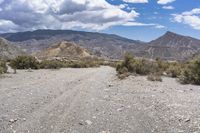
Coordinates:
<point>126,65</point>
<point>174,70</point>
<point>86,63</point>
<point>139,66</point>
<point>24,62</point>
<point>3,67</point>
<point>191,73</point>
<point>53,64</point>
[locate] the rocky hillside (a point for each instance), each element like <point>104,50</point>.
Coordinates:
<point>170,46</point>
<point>9,51</point>
<point>64,50</point>
<point>100,44</point>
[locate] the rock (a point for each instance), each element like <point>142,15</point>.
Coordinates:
<point>120,109</point>
<point>80,123</point>
<point>13,120</point>
<point>162,91</point>
<point>110,85</point>
<point>88,122</point>
<point>187,120</point>
<point>165,74</point>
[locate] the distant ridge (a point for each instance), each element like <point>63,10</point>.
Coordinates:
<point>170,46</point>
<point>104,45</point>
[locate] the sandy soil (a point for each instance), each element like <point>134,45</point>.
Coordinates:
<point>94,101</point>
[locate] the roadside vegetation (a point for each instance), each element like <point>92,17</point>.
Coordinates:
<point>190,74</point>
<point>29,62</point>
<point>185,72</point>
<point>3,67</point>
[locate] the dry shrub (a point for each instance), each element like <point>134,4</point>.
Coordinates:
<point>174,70</point>
<point>24,62</point>
<point>154,77</point>
<point>141,66</point>
<point>191,73</point>
<point>3,67</point>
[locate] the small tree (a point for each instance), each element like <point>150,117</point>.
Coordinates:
<point>24,62</point>
<point>191,73</point>
<point>3,67</point>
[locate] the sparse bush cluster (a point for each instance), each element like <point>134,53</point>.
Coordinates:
<point>190,74</point>
<point>130,64</point>
<point>53,64</point>
<point>140,66</point>
<point>3,67</point>
<point>174,70</point>
<point>29,62</point>
<point>187,73</point>
<point>85,63</point>
<point>24,62</point>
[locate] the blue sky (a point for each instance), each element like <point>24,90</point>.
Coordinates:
<point>135,19</point>
<point>152,12</point>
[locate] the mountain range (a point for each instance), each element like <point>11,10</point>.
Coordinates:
<point>170,46</point>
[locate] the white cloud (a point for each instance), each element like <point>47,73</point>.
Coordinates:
<point>168,7</point>
<point>163,2</point>
<point>191,18</point>
<point>7,25</point>
<point>157,26</point>
<point>136,1</point>
<point>56,14</point>
<point>160,26</point>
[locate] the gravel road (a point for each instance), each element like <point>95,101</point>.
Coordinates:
<point>94,100</point>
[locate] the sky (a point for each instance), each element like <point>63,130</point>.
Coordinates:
<point>143,20</point>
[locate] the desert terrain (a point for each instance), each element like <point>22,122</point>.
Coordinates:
<point>94,100</point>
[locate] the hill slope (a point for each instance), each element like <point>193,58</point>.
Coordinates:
<point>105,45</point>
<point>8,51</point>
<point>63,50</point>
<point>171,46</point>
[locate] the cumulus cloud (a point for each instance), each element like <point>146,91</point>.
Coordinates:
<point>168,7</point>
<point>63,14</point>
<point>191,18</point>
<point>163,2</point>
<point>136,1</point>
<point>6,24</point>
<point>157,26</point>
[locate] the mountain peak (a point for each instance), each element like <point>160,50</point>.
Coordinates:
<point>169,33</point>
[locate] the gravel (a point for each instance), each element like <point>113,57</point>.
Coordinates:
<point>94,100</point>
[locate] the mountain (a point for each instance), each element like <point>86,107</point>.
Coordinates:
<point>105,45</point>
<point>171,46</point>
<point>9,51</point>
<point>64,50</point>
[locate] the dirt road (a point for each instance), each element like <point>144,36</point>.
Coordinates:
<point>94,101</point>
